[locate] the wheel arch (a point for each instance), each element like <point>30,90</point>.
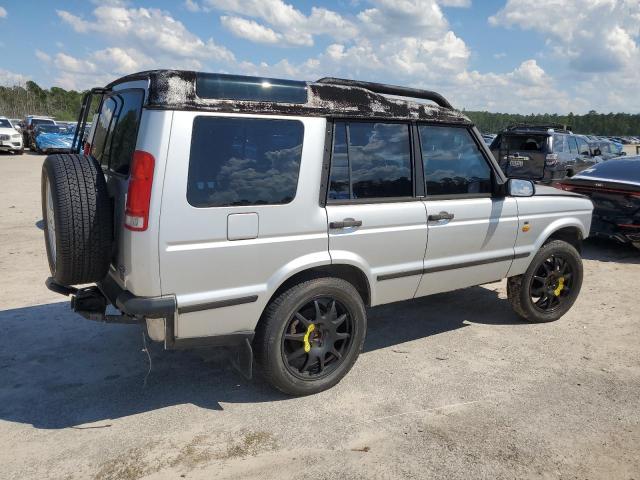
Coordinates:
<point>347,272</point>
<point>572,234</point>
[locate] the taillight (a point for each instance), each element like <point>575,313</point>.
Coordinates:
<point>564,186</point>
<point>87,148</point>
<point>136,215</point>
<point>551,159</point>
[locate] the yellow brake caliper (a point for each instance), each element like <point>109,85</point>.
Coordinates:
<point>307,345</point>
<point>558,289</point>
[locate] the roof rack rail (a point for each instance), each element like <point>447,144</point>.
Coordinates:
<point>390,90</point>
<point>541,126</point>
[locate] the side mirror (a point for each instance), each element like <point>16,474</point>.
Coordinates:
<point>596,152</point>
<point>517,187</point>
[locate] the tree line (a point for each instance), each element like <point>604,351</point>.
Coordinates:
<point>30,99</point>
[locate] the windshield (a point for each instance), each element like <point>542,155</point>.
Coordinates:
<point>4,123</point>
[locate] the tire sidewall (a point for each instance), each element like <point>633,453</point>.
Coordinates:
<point>572,255</point>
<point>323,287</point>
<point>45,183</point>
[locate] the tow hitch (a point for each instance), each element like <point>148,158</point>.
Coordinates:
<point>89,302</point>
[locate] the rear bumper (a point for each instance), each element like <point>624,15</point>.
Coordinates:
<point>159,313</point>
<point>603,228</point>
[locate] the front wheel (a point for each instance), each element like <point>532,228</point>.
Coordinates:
<point>311,335</point>
<point>550,286</point>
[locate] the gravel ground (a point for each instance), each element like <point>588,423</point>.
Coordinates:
<point>449,386</point>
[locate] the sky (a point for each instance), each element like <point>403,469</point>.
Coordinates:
<point>516,56</point>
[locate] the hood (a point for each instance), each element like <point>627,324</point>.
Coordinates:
<point>543,190</point>
<point>8,131</point>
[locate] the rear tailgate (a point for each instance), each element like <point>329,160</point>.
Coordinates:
<point>523,155</point>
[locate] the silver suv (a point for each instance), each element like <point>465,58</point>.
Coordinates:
<point>268,214</point>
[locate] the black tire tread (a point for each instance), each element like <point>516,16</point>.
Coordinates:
<point>83,216</point>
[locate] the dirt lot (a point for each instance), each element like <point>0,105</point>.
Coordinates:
<point>450,386</point>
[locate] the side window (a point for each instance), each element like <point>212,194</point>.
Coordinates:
<point>99,146</point>
<point>243,161</point>
<point>453,163</point>
<point>583,146</point>
<point>558,143</point>
<point>116,132</point>
<point>573,146</point>
<point>370,160</point>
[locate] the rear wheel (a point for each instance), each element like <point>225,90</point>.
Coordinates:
<point>311,335</point>
<point>551,284</point>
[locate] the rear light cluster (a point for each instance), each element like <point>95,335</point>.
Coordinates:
<point>564,186</point>
<point>136,216</point>
<point>551,159</point>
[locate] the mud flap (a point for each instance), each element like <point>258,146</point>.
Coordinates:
<point>242,358</point>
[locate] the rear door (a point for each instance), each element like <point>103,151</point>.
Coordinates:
<point>523,155</point>
<point>240,213</point>
<point>471,234</point>
<point>376,222</point>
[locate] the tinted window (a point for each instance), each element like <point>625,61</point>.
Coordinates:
<point>235,87</point>
<point>573,146</point>
<point>524,143</point>
<point>453,163</point>
<point>558,143</point>
<point>99,145</point>
<point>116,132</point>
<point>243,161</point>
<point>125,130</point>
<point>373,159</point>
<point>339,178</point>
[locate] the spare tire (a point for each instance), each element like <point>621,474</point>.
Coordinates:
<point>78,219</point>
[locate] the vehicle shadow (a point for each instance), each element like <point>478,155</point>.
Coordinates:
<point>60,370</point>
<point>605,250</point>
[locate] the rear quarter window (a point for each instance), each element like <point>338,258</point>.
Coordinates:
<point>244,161</point>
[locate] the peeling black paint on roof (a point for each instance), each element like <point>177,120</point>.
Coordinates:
<point>176,90</point>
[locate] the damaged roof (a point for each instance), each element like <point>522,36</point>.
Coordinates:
<point>329,97</point>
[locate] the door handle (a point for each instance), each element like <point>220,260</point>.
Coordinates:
<point>346,223</point>
<point>441,216</point>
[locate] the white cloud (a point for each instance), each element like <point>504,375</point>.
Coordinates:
<point>11,78</point>
<point>3,12</point>
<point>43,57</point>
<point>192,6</point>
<point>253,31</point>
<point>149,30</point>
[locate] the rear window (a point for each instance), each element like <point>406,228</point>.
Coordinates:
<point>244,161</point>
<point>525,143</point>
<point>114,140</point>
<point>42,121</point>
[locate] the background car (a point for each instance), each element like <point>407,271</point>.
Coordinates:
<point>543,153</point>
<point>10,139</point>
<point>53,138</point>
<point>30,123</point>
<point>614,189</point>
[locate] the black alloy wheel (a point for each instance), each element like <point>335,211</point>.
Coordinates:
<point>316,338</point>
<point>551,284</point>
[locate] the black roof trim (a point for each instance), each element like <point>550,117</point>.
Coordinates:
<point>556,127</point>
<point>328,97</point>
<point>386,89</point>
